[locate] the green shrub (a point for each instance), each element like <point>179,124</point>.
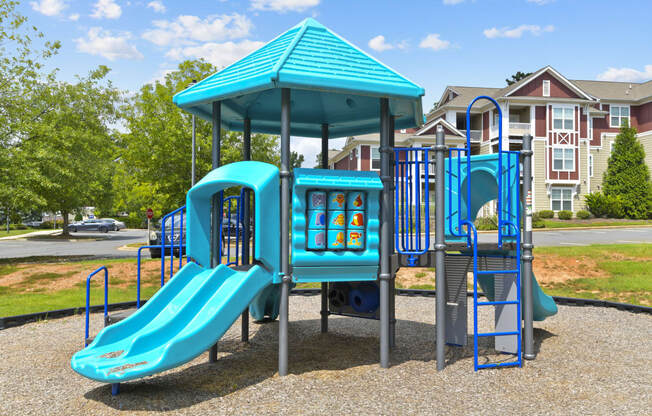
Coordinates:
<point>565,215</point>
<point>78,217</point>
<point>546,213</point>
<point>628,177</point>
<point>486,223</point>
<point>583,214</point>
<point>537,222</point>
<point>16,227</point>
<point>596,203</point>
<point>134,222</point>
<point>46,225</point>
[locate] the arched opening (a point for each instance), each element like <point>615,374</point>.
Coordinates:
<point>484,189</point>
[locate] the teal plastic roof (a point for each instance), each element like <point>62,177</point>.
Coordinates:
<point>332,82</point>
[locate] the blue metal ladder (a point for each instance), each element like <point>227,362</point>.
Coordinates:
<point>508,229</point>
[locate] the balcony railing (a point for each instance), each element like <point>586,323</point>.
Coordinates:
<point>476,135</point>
<point>519,126</point>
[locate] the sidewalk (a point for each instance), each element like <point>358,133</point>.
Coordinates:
<point>33,234</point>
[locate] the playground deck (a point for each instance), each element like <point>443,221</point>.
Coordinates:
<point>591,361</point>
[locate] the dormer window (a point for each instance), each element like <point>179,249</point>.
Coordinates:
<point>546,88</point>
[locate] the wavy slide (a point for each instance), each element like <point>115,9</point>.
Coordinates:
<point>181,321</point>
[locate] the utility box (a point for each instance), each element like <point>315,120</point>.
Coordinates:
<point>335,225</point>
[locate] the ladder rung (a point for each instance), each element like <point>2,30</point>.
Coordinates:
<point>497,334</point>
<point>500,302</point>
<point>493,365</point>
<point>498,271</point>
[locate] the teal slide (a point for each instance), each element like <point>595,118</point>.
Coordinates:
<point>199,304</point>
<point>181,321</point>
<point>543,305</point>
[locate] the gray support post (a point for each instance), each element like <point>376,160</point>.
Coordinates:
<point>440,248</point>
<point>285,234</point>
<point>217,208</point>
<point>385,275</point>
<point>246,155</point>
<point>324,285</point>
<point>193,175</point>
<point>392,287</point>
<point>526,254</point>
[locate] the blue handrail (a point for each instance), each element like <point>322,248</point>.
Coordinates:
<point>88,297</point>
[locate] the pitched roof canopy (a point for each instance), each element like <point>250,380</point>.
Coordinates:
<point>332,82</point>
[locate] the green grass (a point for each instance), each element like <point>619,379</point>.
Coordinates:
<point>580,223</point>
<point>13,303</point>
<point>4,232</point>
<point>627,267</point>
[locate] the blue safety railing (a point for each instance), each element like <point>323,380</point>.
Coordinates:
<point>508,226</point>
<point>179,212</point>
<point>88,298</point>
<point>239,214</point>
<point>411,169</point>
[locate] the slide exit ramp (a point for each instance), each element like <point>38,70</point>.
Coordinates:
<point>198,305</point>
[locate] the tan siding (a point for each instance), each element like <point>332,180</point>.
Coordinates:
<point>600,161</point>
<point>541,199</point>
<point>579,202</point>
<point>646,140</point>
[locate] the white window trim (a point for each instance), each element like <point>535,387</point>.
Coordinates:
<point>563,107</point>
<point>371,158</point>
<point>572,197</point>
<point>545,83</point>
<point>563,147</point>
<point>629,117</point>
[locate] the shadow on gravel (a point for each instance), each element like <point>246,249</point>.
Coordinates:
<point>487,353</point>
<point>242,365</point>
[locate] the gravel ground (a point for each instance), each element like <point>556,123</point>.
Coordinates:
<point>590,361</point>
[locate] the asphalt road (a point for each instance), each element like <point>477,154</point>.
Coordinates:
<point>109,244</point>
<point>106,246</point>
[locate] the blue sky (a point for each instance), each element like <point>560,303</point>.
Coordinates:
<point>433,42</point>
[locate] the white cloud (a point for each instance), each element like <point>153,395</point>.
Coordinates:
<point>189,29</point>
<point>283,6</point>
<point>159,76</point>
<point>219,54</point>
<point>74,17</point>
<point>106,8</point>
<point>103,43</point>
<point>452,2</point>
<point>517,32</point>
<point>157,6</point>
<point>378,44</point>
<point>49,7</point>
<point>626,74</point>
<point>432,41</point>
<point>310,147</point>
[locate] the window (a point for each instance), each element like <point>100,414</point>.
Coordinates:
<point>375,158</point>
<point>563,158</point>
<point>590,166</point>
<point>618,114</point>
<point>561,199</point>
<point>562,118</point>
<point>546,88</point>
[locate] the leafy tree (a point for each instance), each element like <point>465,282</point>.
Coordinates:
<point>21,76</point>
<point>296,160</point>
<point>517,77</point>
<point>155,164</point>
<point>71,148</point>
<point>627,176</point>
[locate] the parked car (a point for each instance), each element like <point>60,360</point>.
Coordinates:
<point>33,224</point>
<point>119,225</point>
<point>92,225</point>
<point>155,236</point>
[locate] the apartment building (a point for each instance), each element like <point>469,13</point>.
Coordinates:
<point>574,124</point>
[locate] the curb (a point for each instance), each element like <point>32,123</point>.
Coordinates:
<point>18,320</point>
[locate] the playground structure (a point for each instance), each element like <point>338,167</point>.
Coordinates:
<point>312,83</point>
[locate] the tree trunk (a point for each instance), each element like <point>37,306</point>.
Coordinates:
<point>64,214</point>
